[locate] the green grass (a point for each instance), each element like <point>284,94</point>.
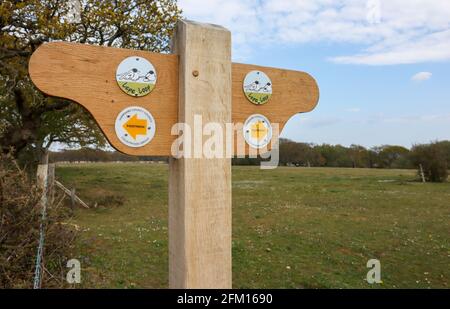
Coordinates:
<point>292,227</point>
<point>258,98</point>
<point>132,88</point>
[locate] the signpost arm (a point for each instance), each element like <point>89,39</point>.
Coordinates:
<point>200,188</point>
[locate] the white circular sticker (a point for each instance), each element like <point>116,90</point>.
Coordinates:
<point>257,87</point>
<point>136,76</point>
<point>257,131</point>
<point>135,126</point>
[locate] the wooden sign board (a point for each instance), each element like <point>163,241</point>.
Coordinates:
<point>174,88</point>
<point>87,75</point>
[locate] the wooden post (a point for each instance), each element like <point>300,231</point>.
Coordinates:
<point>422,175</point>
<point>42,183</point>
<point>42,175</point>
<point>51,183</point>
<point>72,199</point>
<point>72,194</point>
<point>200,189</point>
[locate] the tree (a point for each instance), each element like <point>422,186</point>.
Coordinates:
<point>359,156</point>
<point>434,160</point>
<point>30,122</point>
<point>299,154</point>
<point>392,156</point>
<point>446,148</point>
<point>334,155</point>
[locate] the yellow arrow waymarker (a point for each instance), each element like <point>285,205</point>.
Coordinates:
<point>135,126</point>
<point>259,131</point>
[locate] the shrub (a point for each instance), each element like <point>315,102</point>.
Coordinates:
<point>20,218</point>
<point>434,160</point>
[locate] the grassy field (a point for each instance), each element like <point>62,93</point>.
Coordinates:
<point>292,227</point>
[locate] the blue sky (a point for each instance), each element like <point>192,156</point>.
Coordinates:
<point>382,66</point>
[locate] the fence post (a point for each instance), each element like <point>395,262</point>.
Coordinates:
<point>200,188</point>
<point>72,199</point>
<point>42,183</point>
<point>422,175</point>
<point>42,174</point>
<point>51,182</point>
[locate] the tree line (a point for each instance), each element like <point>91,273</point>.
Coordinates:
<point>97,155</point>
<point>433,157</point>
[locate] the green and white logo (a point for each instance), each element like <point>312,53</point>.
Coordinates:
<point>257,87</point>
<point>136,76</point>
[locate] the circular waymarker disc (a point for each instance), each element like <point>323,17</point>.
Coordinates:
<point>257,87</point>
<point>257,131</point>
<point>135,126</point>
<point>136,76</point>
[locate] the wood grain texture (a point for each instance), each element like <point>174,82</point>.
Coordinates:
<point>200,189</point>
<point>86,75</point>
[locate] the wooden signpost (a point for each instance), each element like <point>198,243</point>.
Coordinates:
<point>136,97</point>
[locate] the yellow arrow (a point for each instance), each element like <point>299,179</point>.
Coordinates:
<point>259,131</point>
<point>135,126</point>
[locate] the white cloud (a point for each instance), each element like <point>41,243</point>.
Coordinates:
<point>353,110</point>
<point>319,122</point>
<point>430,48</point>
<point>421,76</point>
<point>419,119</point>
<point>387,31</point>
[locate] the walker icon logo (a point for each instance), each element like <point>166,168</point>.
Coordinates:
<point>257,87</point>
<point>135,126</point>
<point>136,76</point>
